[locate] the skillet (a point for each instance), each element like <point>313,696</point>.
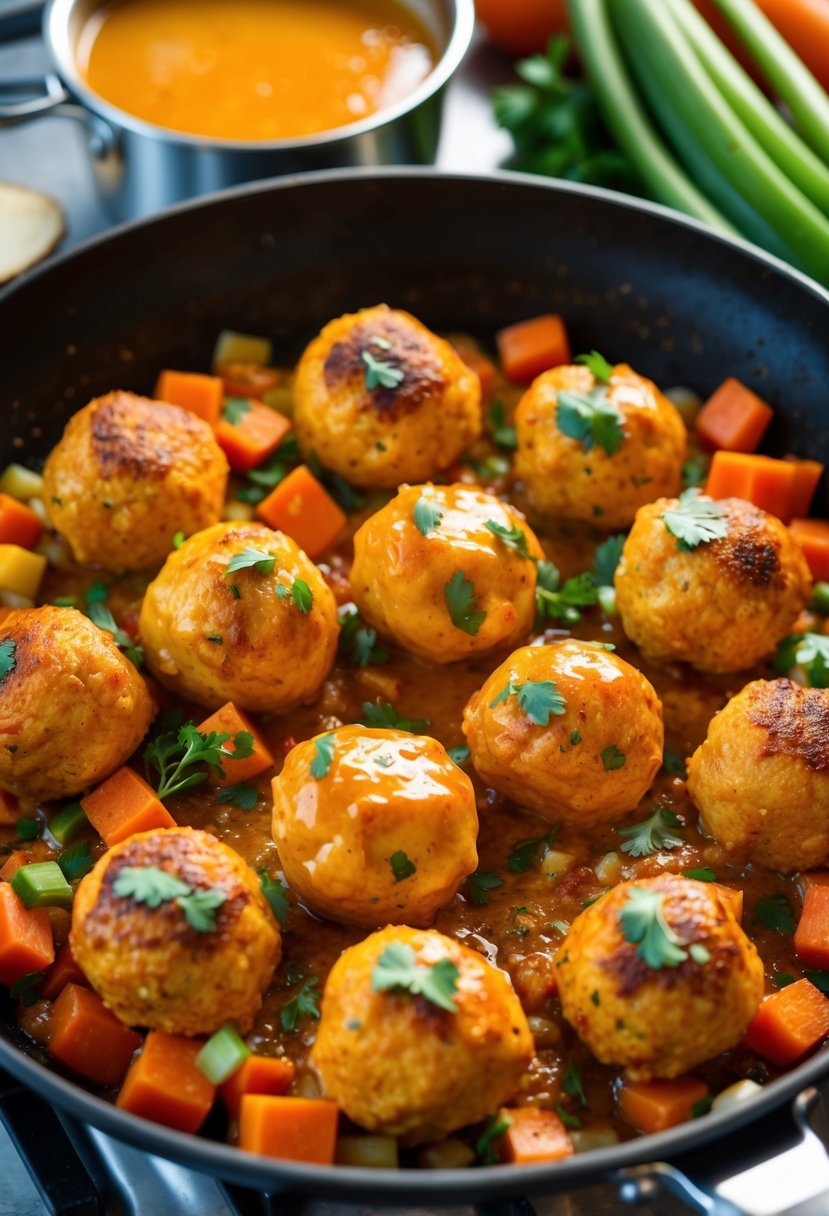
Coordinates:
<point>681,304</point>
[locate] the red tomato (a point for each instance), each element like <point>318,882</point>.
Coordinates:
<point>522,27</point>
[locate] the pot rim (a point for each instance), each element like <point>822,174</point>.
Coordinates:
<point>56,16</point>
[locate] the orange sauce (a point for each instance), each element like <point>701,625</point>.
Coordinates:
<point>253,69</point>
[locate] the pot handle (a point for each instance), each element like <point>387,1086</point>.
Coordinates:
<point>748,1182</point>
<point>41,96</point>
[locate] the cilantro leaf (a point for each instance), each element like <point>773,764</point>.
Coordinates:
<point>570,1121</point>
<point>652,835</point>
<point>304,1005</point>
<point>572,1083</point>
<point>701,1107</point>
<point>200,907</point>
<point>539,699</point>
<point>379,372</point>
<point>385,714</point>
<point>479,884</point>
<point>426,516</point>
<point>256,559</point>
<point>485,1149</point>
<point>695,520</point>
<point>502,433</point>
<point>514,538</point>
<point>176,755</point>
<point>243,796</point>
<point>775,912</point>
<point>26,989</point>
<point>590,419</point>
<point>673,763</point>
<point>809,651</point>
<point>607,559</point>
<point>234,409</point>
<point>458,755</point>
<point>97,592</point>
<point>612,758</point>
<point>562,603</point>
<point>302,595</point>
<point>461,602</point>
<point>694,471</point>
<point>643,921</point>
<point>401,866</point>
<point>148,885</point>
<point>597,365</point>
<point>702,874</point>
<point>76,860</point>
<point>525,854</point>
<point>358,642</point>
<point>396,970</point>
<point>274,893</point>
<point>323,756</point>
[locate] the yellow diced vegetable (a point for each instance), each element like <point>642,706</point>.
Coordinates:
<point>237,511</point>
<point>241,348</point>
<point>280,399</point>
<point>20,570</point>
<point>555,862</point>
<point>21,483</point>
<point>372,1152</point>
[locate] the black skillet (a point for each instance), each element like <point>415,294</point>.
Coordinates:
<point>635,281</point>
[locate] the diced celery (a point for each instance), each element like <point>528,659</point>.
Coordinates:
<point>66,824</point>
<point>232,347</point>
<point>41,885</point>
<point>223,1053</point>
<point>21,483</point>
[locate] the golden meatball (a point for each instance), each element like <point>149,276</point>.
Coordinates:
<point>127,475</point>
<point>761,778</point>
<point>721,606</point>
<point>381,400</point>
<point>607,474</point>
<point>431,574</point>
<point>569,730</point>
<point>374,826</point>
<point>399,1064</point>
<point>185,952</point>
<point>665,1021</point>
<point>263,635</point>
<point>72,708</point>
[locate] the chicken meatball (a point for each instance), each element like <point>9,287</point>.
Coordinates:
<point>172,931</point>
<point>72,708</point>
<point>569,730</point>
<point>720,605</point>
<point>374,826</point>
<point>399,1063</point>
<point>659,1006</point>
<point>761,778</point>
<point>239,613</point>
<point>381,400</point>
<point>596,451</point>
<point>127,475</point>
<point>446,571</point>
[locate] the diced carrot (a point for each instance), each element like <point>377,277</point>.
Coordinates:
<point>295,1129</point>
<point>302,508</point>
<point>89,1039</point>
<point>809,473</point>
<point>253,438</point>
<point>247,379</point>
<point>651,1106</point>
<point>258,1075</point>
<point>63,971</point>
<point>123,805</point>
<point>777,486</point>
<point>789,1023</point>
<point>733,418</point>
<point>18,523</point>
<point>193,391</point>
<point>734,897</point>
<point>475,359</point>
<point>164,1084</point>
<point>811,939</point>
<point>231,719</point>
<point>813,537</point>
<point>532,347</point>
<point>26,943</point>
<point>20,857</point>
<point>534,1135</point>
<point>9,809</point>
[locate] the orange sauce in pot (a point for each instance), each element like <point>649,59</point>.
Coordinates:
<point>253,69</point>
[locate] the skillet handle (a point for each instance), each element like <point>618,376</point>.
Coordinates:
<point>794,1182</point>
<point>44,96</point>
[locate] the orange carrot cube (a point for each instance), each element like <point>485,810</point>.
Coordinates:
<point>123,805</point>
<point>248,432</point>
<point>232,720</point>
<point>193,391</point>
<point>257,1075</point>
<point>303,509</point>
<point>293,1129</point>
<point>534,1135</point>
<point>165,1085</point>
<point>789,1023</point>
<point>18,523</point>
<point>89,1039</point>
<point>652,1106</point>
<point>532,347</point>
<point>26,943</point>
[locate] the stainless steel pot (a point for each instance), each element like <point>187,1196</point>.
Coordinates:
<point>140,168</point>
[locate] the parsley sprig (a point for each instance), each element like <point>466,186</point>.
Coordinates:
<point>384,714</point>
<point>514,537</point>
<point>250,558</point>
<point>653,835</point>
<point>323,756</point>
<point>274,893</point>
<point>597,365</point>
<point>775,912</point>
<point>8,662</point>
<point>461,601</point>
<point>176,756</point>
<point>590,419</point>
<point>539,699</point>
<point>526,853</point>
<point>562,602</point>
<point>397,970</point>
<point>380,373</point>
<point>502,432</point>
<point>358,641</point>
<point>304,1005</point>
<point>479,885</point>
<point>152,886</point>
<point>607,558</point>
<point>810,651</point>
<point>426,515</point>
<point>695,520</point>
<point>643,922</point>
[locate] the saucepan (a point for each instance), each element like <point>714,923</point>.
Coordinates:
<point>140,167</point>
<point>680,303</point>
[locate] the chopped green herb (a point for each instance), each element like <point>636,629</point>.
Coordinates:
<point>175,755</point>
<point>607,559</point>
<point>76,861</point>
<point>458,755</point>
<point>200,907</point>
<point>514,538</point>
<point>323,756</point>
<point>775,912</point>
<point>243,796</point>
<point>401,866</point>
<point>29,829</point>
<point>235,592</point>
<point>694,472</point>
<point>695,520</point>
<point>384,714</point>
<point>782,978</point>
<point>426,516</point>
<point>178,539</point>
<point>538,699</point>
<point>562,603</point>
<point>595,998</point>
<point>809,651</point>
<point>572,1083</point>
<point>597,365</point>
<point>485,1149</point>
<point>274,893</point>
<point>380,373</point>
<point>479,885</point>
<point>502,433</point>
<point>304,1005</point>
<point>358,642</point>
<point>699,953</point>
<point>461,602</point>
<point>561,926</point>
<point>302,595</point>
<point>377,340</point>
<point>215,638</point>
<point>525,854</point>
<point>97,592</point>
<point>575,738</point>
<point>703,874</point>
<point>571,1121</point>
<point>673,763</point>
<point>397,970</point>
<point>612,758</point>
<point>652,835</point>
<point>256,559</point>
<point>235,409</point>
<point>702,1107</point>
<point>820,979</point>
<point>148,885</point>
<point>590,419</point>
<point>27,988</point>
<point>643,921</point>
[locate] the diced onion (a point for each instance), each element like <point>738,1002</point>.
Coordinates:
<point>555,862</point>
<point>609,870</point>
<point>740,1091</point>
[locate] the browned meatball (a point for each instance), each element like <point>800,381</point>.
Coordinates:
<point>127,475</point>
<point>720,606</point>
<point>761,778</point>
<point>186,957</point>
<point>659,1021</point>
<point>72,708</point>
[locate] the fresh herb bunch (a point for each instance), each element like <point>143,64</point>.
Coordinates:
<point>178,756</point>
<point>654,835</point>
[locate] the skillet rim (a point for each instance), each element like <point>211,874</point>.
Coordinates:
<point>352,1183</point>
